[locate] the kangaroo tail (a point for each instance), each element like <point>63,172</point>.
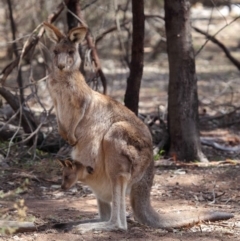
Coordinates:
<point>145,214</point>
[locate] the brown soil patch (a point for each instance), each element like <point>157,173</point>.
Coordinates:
<point>175,188</point>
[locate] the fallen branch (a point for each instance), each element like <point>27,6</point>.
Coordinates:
<point>26,175</point>
<point>28,122</point>
<point>17,227</point>
<point>170,163</point>
<point>223,120</point>
<point>8,130</point>
<point>217,146</point>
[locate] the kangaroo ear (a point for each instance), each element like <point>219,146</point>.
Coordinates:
<point>77,34</point>
<point>52,32</point>
<point>61,163</point>
<point>69,164</point>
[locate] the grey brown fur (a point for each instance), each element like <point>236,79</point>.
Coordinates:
<point>110,140</point>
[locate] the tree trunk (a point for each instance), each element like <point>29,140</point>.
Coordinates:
<point>73,6</point>
<point>182,93</point>
<point>136,66</point>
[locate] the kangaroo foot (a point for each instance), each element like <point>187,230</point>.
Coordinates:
<point>102,226</point>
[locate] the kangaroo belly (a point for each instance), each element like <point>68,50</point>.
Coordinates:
<point>102,191</point>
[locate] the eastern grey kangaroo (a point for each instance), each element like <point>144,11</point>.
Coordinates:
<point>110,140</point>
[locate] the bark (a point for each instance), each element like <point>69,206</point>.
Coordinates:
<point>182,93</point>
<point>15,50</point>
<point>136,66</point>
<point>73,6</point>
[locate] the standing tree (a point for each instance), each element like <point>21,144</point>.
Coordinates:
<point>182,94</point>
<point>136,66</point>
<point>74,7</point>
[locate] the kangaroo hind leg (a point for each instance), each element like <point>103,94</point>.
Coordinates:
<point>104,210</point>
<point>118,215</point>
<point>118,170</point>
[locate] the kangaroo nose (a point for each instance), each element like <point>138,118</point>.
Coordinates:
<point>61,66</point>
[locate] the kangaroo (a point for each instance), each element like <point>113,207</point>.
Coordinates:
<point>108,139</point>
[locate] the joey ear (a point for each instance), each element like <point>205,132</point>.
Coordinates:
<point>52,32</point>
<point>69,164</point>
<point>77,34</point>
<point>61,163</point>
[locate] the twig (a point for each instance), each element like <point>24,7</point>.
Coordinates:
<point>221,45</point>
<point>26,175</point>
<point>54,15</point>
<point>28,123</point>
<point>210,19</point>
<point>14,41</point>
<point>214,4</point>
<point>223,115</point>
<point>111,29</point>
<point>74,15</point>
<point>27,43</point>
<point>32,134</point>
<point>89,4</point>
<point>228,24</point>
<point>12,117</point>
<point>214,197</point>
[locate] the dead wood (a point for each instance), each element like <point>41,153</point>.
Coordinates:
<point>27,120</point>
<point>8,130</point>
<point>17,227</point>
<point>214,144</point>
<point>171,164</point>
<point>220,121</point>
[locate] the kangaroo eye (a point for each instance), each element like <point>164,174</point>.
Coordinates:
<point>71,52</point>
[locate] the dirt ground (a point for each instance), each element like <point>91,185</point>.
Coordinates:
<point>176,188</point>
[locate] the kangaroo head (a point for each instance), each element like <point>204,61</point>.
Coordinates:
<point>69,173</point>
<point>65,54</point>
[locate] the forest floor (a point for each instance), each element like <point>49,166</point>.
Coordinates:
<point>176,187</point>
